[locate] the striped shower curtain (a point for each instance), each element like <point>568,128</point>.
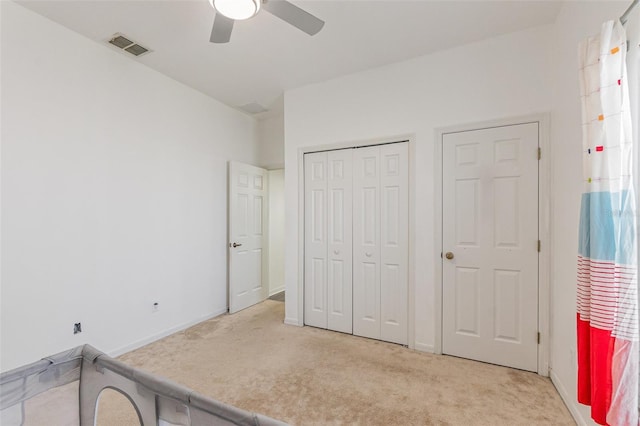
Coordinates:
<point>607,263</point>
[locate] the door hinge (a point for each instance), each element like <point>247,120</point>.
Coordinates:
<point>539,246</point>
<point>538,337</point>
<point>539,153</point>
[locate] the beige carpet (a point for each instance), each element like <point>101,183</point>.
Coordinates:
<point>307,376</point>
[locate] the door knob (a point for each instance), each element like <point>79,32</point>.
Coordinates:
<point>449,255</point>
<point>234,245</point>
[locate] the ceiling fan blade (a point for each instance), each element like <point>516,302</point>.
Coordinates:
<point>292,14</point>
<point>221,31</point>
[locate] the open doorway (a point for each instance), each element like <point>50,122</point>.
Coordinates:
<point>276,235</point>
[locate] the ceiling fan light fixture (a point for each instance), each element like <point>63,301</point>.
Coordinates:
<point>237,10</point>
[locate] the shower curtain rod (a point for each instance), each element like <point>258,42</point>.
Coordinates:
<point>625,15</point>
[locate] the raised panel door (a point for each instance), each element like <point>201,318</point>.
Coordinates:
<point>339,253</point>
<point>247,194</point>
<point>490,225</point>
<point>394,242</point>
<point>315,225</point>
<point>366,242</point>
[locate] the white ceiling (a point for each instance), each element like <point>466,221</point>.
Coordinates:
<point>267,56</point>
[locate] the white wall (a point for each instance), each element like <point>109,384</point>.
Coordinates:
<point>276,231</point>
<point>271,142</point>
<point>501,77</point>
<point>576,21</point>
<point>113,194</point>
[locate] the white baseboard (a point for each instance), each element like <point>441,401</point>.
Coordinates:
<point>276,290</point>
<point>572,405</point>
<point>423,347</point>
<point>142,342</point>
<point>292,321</point>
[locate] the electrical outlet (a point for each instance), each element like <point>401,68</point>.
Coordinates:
<point>155,307</point>
<point>77,328</point>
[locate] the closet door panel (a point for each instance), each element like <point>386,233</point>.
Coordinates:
<point>394,242</point>
<point>315,246</point>
<point>339,222</point>
<point>366,242</point>
<point>356,241</point>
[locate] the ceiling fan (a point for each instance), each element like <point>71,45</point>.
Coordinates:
<point>229,11</point>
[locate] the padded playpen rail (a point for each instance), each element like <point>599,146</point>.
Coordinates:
<point>157,401</point>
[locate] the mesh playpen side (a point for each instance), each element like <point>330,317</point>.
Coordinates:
<point>64,389</point>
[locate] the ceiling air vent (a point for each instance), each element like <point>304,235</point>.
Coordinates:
<point>125,43</point>
<point>136,49</point>
<point>253,108</point>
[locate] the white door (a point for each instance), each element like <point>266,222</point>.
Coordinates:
<point>327,284</point>
<point>315,245</point>
<point>490,231</point>
<point>339,221</point>
<point>394,242</point>
<point>247,223</point>
<point>380,242</point>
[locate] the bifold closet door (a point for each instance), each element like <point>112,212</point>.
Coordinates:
<point>328,236</point>
<point>315,241</point>
<point>380,242</point>
<point>339,254</point>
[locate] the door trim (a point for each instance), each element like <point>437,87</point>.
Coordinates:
<point>544,226</point>
<point>411,139</point>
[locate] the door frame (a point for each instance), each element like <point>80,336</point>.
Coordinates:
<point>544,226</point>
<point>411,139</point>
